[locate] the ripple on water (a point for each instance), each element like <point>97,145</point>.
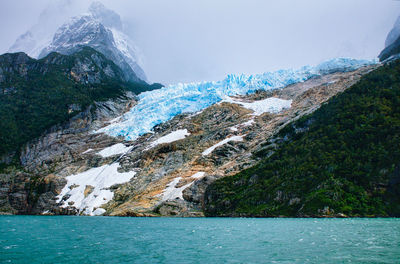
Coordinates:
<point>216,240</point>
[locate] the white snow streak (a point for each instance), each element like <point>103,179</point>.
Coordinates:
<point>114,150</point>
<point>172,192</point>
<point>171,137</point>
<point>198,175</point>
<point>87,151</point>
<point>270,105</point>
<point>223,142</point>
<point>245,124</point>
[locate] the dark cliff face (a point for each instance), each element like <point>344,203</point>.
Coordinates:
<point>391,50</point>
<point>37,94</point>
<point>85,66</point>
<point>392,43</point>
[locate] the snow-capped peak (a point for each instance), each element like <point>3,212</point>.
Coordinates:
<point>99,28</point>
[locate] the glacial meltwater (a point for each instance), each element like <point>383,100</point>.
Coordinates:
<point>70,239</point>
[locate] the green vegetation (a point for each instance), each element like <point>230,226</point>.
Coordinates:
<point>37,94</point>
<point>343,158</point>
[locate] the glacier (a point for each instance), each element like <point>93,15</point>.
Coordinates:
<point>158,106</point>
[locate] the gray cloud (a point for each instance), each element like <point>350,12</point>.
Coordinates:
<point>188,40</point>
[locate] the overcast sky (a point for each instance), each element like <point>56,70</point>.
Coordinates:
<point>196,40</point>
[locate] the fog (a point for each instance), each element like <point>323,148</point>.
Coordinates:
<point>187,40</point>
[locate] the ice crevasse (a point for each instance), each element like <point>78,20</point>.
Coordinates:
<point>158,106</point>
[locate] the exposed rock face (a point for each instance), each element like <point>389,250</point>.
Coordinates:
<point>170,178</point>
<point>195,194</point>
<point>58,153</point>
<point>62,142</point>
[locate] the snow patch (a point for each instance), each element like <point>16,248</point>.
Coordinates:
<point>87,151</point>
<point>245,124</point>
<point>270,105</point>
<point>114,150</point>
<point>99,211</point>
<point>98,180</point>
<point>171,192</point>
<point>248,123</point>
<point>198,175</point>
<point>171,137</point>
<point>223,142</point>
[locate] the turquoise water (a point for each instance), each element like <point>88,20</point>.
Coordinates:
<point>66,239</point>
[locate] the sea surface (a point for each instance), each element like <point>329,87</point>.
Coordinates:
<point>70,239</point>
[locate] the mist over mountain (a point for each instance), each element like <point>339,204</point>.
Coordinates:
<point>39,35</point>
<point>204,41</point>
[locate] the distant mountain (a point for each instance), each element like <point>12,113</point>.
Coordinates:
<point>394,34</point>
<point>392,43</point>
<point>37,94</point>
<point>99,28</point>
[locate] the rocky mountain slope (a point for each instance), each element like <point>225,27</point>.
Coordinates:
<point>37,94</point>
<point>343,159</point>
<point>82,133</point>
<point>31,186</point>
<point>205,133</point>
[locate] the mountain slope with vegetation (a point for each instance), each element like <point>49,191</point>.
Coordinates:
<point>37,94</point>
<point>342,159</point>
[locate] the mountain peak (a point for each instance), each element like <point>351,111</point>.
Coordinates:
<point>99,28</point>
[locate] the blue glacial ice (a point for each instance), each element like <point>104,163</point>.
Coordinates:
<point>158,106</point>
